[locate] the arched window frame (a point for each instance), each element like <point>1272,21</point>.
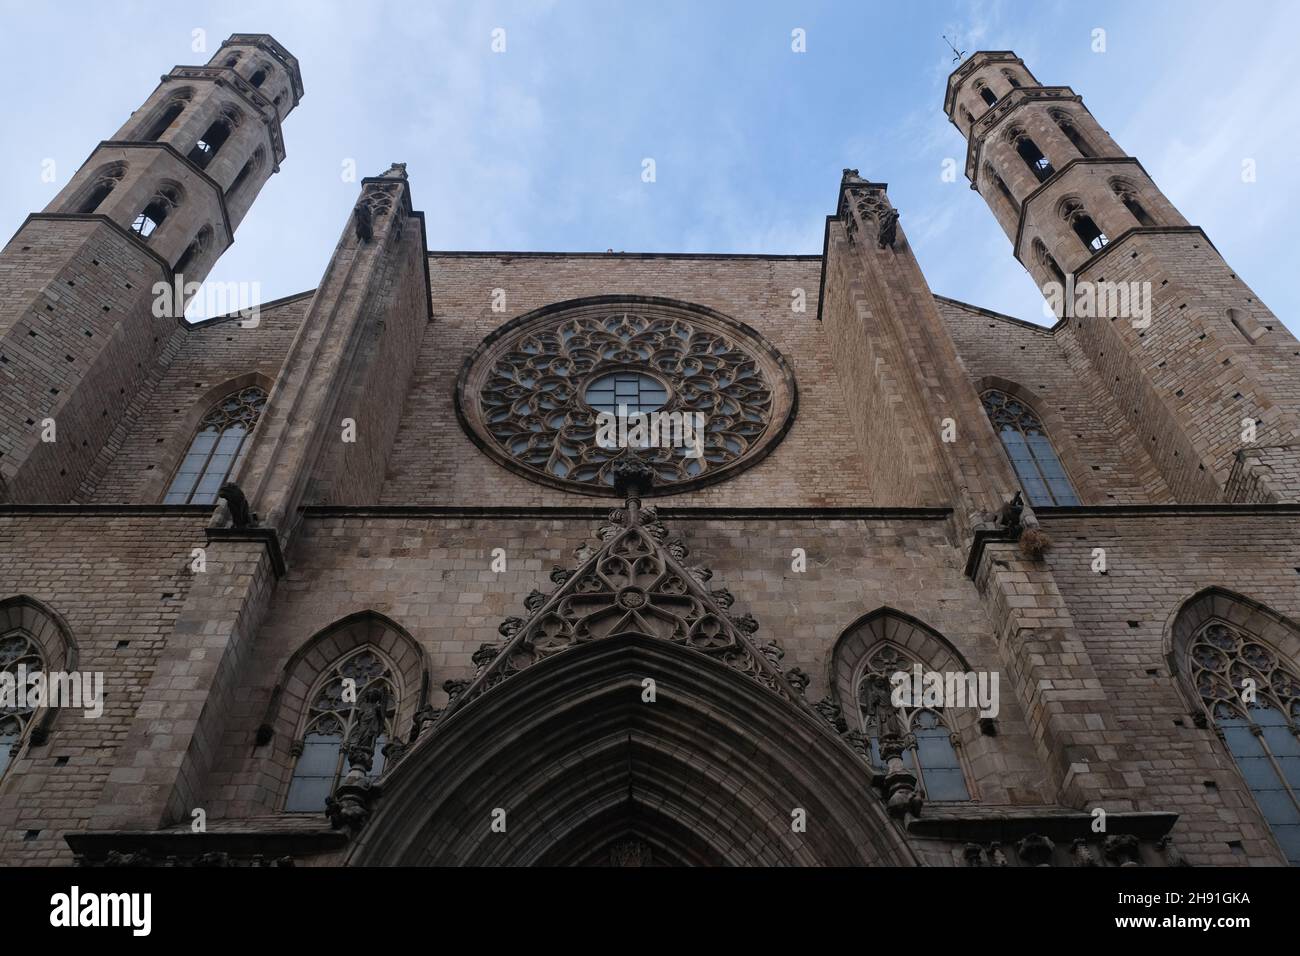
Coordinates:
<point>1072,211</point>
<point>1000,187</point>
<point>1045,481</point>
<point>100,187</point>
<point>206,453</point>
<point>987,95</point>
<point>165,115</point>
<point>916,642</point>
<point>46,638</point>
<point>288,711</point>
<point>214,137</point>
<point>1127,193</point>
<point>1227,623</point>
<point>195,251</point>
<point>168,197</point>
<point>1048,261</point>
<point>887,658</point>
<point>1065,123</point>
<point>249,169</point>
<point>1034,158</point>
<point>329,718</point>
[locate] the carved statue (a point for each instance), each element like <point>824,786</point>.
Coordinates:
<point>240,515</point>
<point>878,706</point>
<point>367,726</point>
<point>888,231</point>
<point>364,224</point>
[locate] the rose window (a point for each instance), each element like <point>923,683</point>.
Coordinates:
<point>546,394</point>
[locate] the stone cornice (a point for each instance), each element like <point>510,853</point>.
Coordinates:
<point>267,536</point>
<point>1198,512</point>
<point>587,512</point>
<point>105,510</point>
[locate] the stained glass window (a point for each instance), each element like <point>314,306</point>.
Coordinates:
<point>931,756</point>
<point>321,751</point>
<point>1252,695</point>
<point>17,650</point>
<point>217,448</point>
<point>1032,456</point>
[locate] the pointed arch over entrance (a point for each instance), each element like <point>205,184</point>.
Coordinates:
<point>589,772</point>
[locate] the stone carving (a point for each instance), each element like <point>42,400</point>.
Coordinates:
<point>1036,850</point>
<point>973,854</point>
<point>830,710</point>
<point>363,222</point>
<point>630,853</point>
<point>1123,849</point>
<point>529,402</point>
<point>240,514</point>
<point>454,689</point>
<point>368,723</point>
<point>887,233</point>
<point>631,584</point>
<point>1082,853</point>
<point>997,856</point>
<point>798,679</point>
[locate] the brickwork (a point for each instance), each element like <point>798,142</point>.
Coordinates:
<point>1154,565</point>
<point>119,581</point>
<point>885,485</point>
<point>434,463</point>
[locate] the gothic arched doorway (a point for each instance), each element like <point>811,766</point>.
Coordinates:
<point>587,772</point>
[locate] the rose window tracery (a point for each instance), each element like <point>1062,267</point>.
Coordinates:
<point>536,394</point>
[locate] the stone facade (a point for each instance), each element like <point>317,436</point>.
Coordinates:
<point>514,623</point>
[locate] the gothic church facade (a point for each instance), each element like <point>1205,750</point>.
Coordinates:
<point>366,586</point>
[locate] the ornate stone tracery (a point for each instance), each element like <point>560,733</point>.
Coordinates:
<point>523,395</point>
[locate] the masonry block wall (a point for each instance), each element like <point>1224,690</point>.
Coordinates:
<point>119,581</point>
<point>1105,461</point>
<point>433,462</point>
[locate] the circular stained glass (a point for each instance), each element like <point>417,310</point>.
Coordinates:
<point>538,393</point>
<point>626,393</point>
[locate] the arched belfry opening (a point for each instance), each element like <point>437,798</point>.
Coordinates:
<point>631,719</point>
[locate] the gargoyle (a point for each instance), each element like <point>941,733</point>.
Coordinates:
<point>240,515</point>
<point>364,224</point>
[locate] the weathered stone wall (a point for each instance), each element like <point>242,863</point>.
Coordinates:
<point>434,463</point>
<point>119,581</point>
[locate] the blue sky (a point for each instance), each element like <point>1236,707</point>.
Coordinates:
<point>541,147</point>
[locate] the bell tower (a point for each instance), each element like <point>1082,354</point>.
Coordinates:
<point>1207,375</point>
<point>80,321</point>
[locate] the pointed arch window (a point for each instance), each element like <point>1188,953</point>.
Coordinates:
<point>104,183</point>
<point>990,174</point>
<point>1028,150</point>
<point>1030,449</point>
<point>1048,262</point>
<point>1127,193</point>
<point>20,657</point>
<point>986,94</point>
<point>931,754</point>
<point>1065,122</point>
<point>217,448</point>
<point>1261,729</point>
<point>321,747</point>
